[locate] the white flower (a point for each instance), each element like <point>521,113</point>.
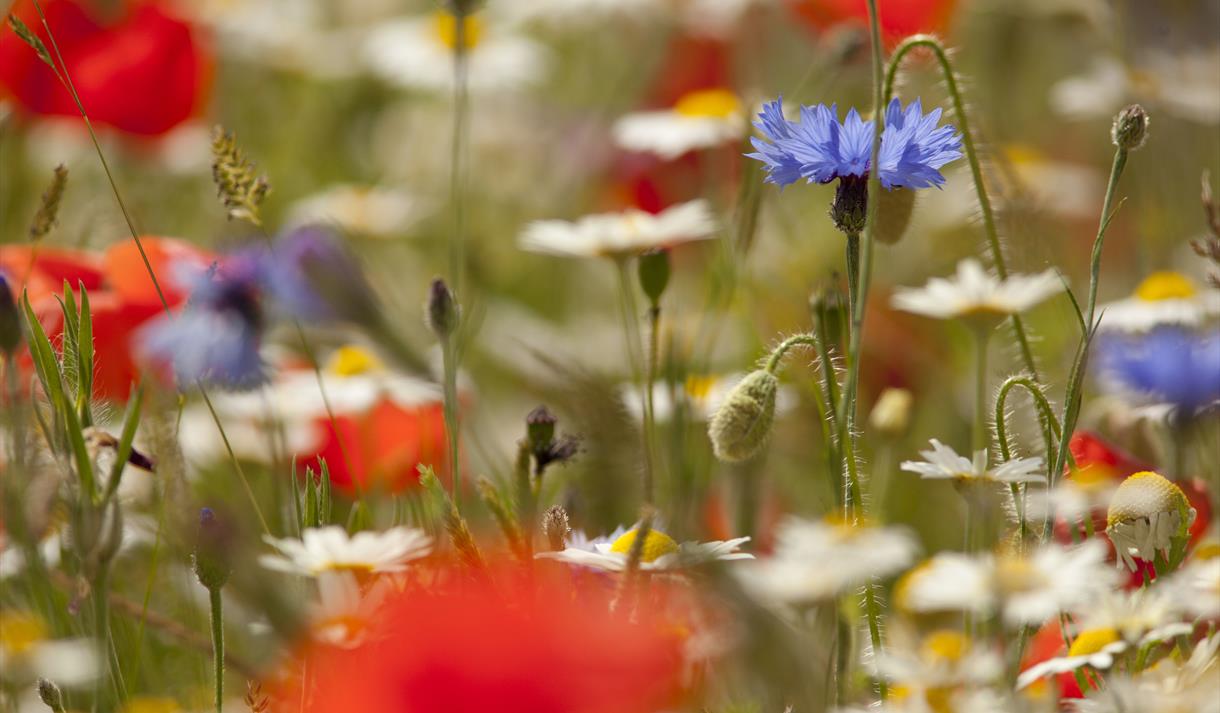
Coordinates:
<point>572,13</point>
<point>1162,298</point>
<point>1114,625</point>
<point>1148,515</point>
<point>698,120</point>
<point>942,462</point>
<point>26,652</point>
<point>418,53</point>
<point>1088,490</point>
<point>623,233</point>
<point>702,395</point>
<point>290,35</point>
<point>1186,85</point>
<point>973,292</point>
<point>944,660</point>
<point>1025,589</point>
<point>331,549</point>
<point>367,210</point>
<point>344,611</point>
<point>660,553</point>
<point>1195,589</point>
<point>817,560</point>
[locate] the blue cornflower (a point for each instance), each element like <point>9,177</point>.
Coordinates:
<point>1167,365</point>
<point>215,339</point>
<point>820,149</point>
<point>310,275</point>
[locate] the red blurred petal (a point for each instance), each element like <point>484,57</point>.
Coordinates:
<point>128,276</point>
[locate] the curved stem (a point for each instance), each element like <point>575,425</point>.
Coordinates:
<point>976,171</point>
<point>778,354</point>
<point>218,646</point>
<point>1043,406</point>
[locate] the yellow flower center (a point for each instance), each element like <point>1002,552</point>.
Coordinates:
<point>1092,641</point>
<point>945,646</point>
<point>1093,478</point>
<point>1165,285</point>
<point>712,103</point>
<point>1207,551</point>
<point>1015,575</point>
<point>698,387</point>
<point>446,27</point>
<point>152,704</point>
<point>356,568</point>
<point>20,631</point>
<point>352,361</point>
<point>1143,495</point>
<point>656,544</point>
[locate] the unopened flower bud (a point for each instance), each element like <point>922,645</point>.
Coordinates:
<point>443,311</point>
<point>10,321</point>
<point>540,428</point>
<point>1148,514</point>
<point>850,207</point>
<point>556,528</point>
<point>1130,128</point>
<point>50,694</point>
<point>742,423</point>
<point>893,214</point>
<point>654,274</point>
<point>211,561</point>
<point>892,413</point>
<point>829,308</point>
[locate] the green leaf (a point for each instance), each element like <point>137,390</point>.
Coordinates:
<point>84,360</point>
<point>23,32</point>
<point>131,421</point>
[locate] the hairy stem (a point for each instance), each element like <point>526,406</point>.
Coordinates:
<point>218,646</point>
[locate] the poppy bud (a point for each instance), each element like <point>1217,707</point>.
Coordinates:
<point>1130,128</point>
<point>654,274</point>
<point>743,422</point>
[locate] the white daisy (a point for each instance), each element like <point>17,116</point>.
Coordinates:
<point>1148,516</point>
<point>1088,490</point>
<point>619,234</point>
<point>817,560</point>
<point>344,610</point>
<point>378,211</point>
<point>698,120</point>
<point>1185,84</point>
<point>27,653</point>
<point>418,53</point>
<point>973,292</point>
<point>943,662</point>
<point>702,394</point>
<point>1115,624</point>
<point>574,13</point>
<point>331,549</point>
<point>1162,298</point>
<point>1026,589</point>
<point>1195,589</point>
<point>943,463</point>
<point>660,553</point>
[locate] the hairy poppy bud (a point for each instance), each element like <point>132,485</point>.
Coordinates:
<point>743,422</point>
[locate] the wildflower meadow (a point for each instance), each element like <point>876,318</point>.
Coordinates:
<point>610,356</point>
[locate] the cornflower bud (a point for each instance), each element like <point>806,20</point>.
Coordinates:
<point>443,310</point>
<point>210,558</point>
<point>654,274</point>
<point>1130,128</point>
<point>850,206</point>
<point>50,695</point>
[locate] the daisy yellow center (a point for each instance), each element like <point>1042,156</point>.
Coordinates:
<point>1165,286</point>
<point>1143,495</point>
<point>152,704</point>
<point>712,103</point>
<point>1207,551</point>
<point>698,387</point>
<point>945,645</point>
<point>446,27</point>
<point>356,568</point>
<point>656,545</point>
<point>1015,575</point>
<point>352,361</point>
<point>20,631</point>
<point>1092,641</point>
<point>1092,478</point>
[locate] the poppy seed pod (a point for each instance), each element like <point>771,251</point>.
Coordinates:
<point>743,422</point>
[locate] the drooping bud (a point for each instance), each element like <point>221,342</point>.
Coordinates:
<point>1149,515</point>
<point>654,274</point>
<point>742,423</point>
<point>555,527</point>
<point>211,561</point>
<point>10,321</point>
<point>893,214</point>
<point>50,695</point>
<point>1130,128</point>
<point>850,207</point>
<point>443,310</point>
<point>892,413</point>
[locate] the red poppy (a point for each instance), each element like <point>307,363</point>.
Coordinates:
<point>171,260</point>
<point>899,18</point>
<point>511,647</point>
<point>381,448</point>
<point>1047,644</point>
<point>142,70</point>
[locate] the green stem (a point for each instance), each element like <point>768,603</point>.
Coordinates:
<point>650,421</point>
<point>853,271</point>
<point>635,350</point>
<point>218,646</point>
<point>979,433</point>
<point>976,171</point>
<point>101,624</point>
<point>781,351</point>
<point>460,101</point>
<point>452,422</point>
<point>1050,434</point>
<point>1116,171</point>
